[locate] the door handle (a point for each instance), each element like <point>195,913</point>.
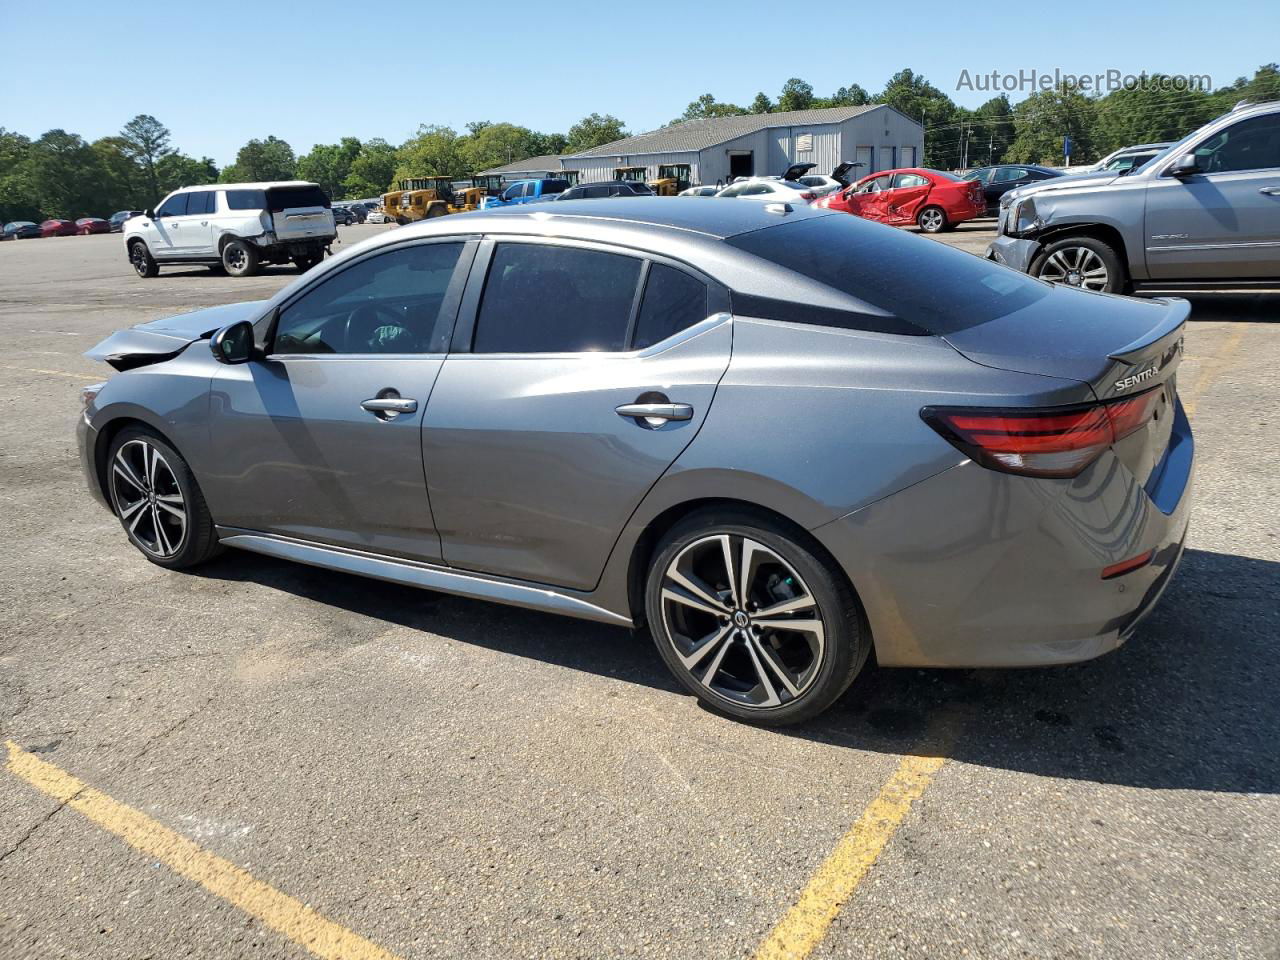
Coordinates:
<point>388,408</point>
<point>656,411</point>
<point>1270,191</point>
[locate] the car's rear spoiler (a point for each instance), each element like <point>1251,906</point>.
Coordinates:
<point>1153,341</point>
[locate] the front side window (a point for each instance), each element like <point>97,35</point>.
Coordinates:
<point>1006,174</point>
<point>388,303</point>
<point>876,185</point>
<point>673,301</point>
<point>757,189</point>
<point>175,206</point>
<point>549,299</point>
<point>514,192</point>
<point>1252,144</point>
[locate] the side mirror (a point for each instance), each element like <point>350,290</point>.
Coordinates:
<point>1185,166</point>
<point>149,213</point>
<point>233,343</point>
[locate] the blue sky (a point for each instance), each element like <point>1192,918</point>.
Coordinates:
<point>317,71</point>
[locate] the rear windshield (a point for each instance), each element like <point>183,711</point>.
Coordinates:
<point>942,174</point>
<point>276,198</point>
<point>921,281</point>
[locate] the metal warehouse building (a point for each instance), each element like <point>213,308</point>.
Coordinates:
<point>531,168</point>
<point>715,150</point>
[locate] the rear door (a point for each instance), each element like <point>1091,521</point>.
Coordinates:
<point>1223,222</point>
<point>535,449</point>
<point>321,439</point>
<point>300,213</point>
<point>195,228</point>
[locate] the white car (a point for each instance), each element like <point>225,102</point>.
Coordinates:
<point>376,216</point>
<point>819,184</point>
<point>773,189</point>
<point>699,192</point>
<point>236,227</point>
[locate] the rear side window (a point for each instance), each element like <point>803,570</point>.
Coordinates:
<point>246,200</point>
<point>175,206</point>
<point>549,299</point>
<point>554,186</point>
<point>673,301</point>
<point>926,285</point>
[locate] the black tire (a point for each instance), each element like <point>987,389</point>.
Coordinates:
<point>792,567</point>
<point>217,268</point>
<point>1059,259</point>
<point>306,263</point>
<point>932,219</point>
<point>240,258</point>
<point>146,503</point>
<point>143,263</point>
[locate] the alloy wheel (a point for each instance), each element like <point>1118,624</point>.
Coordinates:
<point>1076,267</point>
<point>148,499</point>
<point>138,257</point>
<point>742,621</point>
<point>235,258</point>
<point>931,221</point>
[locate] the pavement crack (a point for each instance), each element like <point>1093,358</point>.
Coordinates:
<point>30,832</point>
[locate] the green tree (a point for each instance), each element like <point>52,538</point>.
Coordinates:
<point>329,165</point>
<point>707,106</point>
<point>913,95</point>
<point>65,175</point>
<point>495,144</point>
<point>992,131</point>
<point>260,160</point>
<point>549,143</point>
<point>594,131</point>
<point>761,104</point>
<point>179,170</point>
<point>1146,115</point>
<point>1262,86</point>
<point>850,96</point>
<point>146,141</point>
<point>433,152</point>
<point>123,184</point>
<point>1042,120</point>
<point>372,170</point>
<point>796,95</point>
<point>18,199</point>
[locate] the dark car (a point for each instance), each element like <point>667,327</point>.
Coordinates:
<point>606,188</point>
<point>20,230</point>
<point>88,225</point>
<point>359,211</point>
<point>120,216</point>
<point>58,228</point>
<point>998,180</point>
<point>343,215</point>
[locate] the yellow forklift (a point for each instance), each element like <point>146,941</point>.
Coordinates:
<point>671,179</point>
<point>422,198</point>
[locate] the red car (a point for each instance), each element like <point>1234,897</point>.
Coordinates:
<point>931,199</point>
<point>57,228</point>
<point>88,225</point>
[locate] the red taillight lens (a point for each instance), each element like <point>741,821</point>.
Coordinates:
<point>808,196</point>
<point>1054,442</point>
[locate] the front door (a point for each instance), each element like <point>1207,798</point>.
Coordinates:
<point>163,232</point>
<point>1224,221</point>
<point>905,198</point>
<point>567,398</point>
<point>321,439</point>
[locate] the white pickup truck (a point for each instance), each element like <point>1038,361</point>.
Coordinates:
<point>236,227</point>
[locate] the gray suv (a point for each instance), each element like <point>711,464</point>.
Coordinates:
<point>1204,211</point>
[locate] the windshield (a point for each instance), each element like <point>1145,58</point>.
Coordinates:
<point>937,288</point>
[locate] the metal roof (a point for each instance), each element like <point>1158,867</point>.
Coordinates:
<point>694,135</point>
<point>548,161</point>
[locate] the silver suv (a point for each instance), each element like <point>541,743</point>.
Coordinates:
<point>1206,210</point>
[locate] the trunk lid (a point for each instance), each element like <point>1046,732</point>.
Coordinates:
<point>299,213</point>
<point>797,170</point>
<point>1119,346</point>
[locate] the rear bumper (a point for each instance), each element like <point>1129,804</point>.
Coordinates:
<point>974,568</point>
<point>1013,252</point>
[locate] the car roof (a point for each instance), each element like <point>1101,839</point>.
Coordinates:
<point>264,185</point>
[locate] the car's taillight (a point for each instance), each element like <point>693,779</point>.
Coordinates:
<point>1051,442</point>
<point>808,196</point>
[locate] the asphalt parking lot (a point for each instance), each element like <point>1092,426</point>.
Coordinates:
<point>262,759</point>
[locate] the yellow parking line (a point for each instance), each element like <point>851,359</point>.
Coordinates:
<point>52,373</point>
<point>283,913</point>
<point>805,925</point>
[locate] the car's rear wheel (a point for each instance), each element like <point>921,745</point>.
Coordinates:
<point>158,501</point>
<point>932,220</point>
<point>306,263</point>
<point>1085,262</point>
<point>143,263</point>
<point>240,259</point>
<point>752,618</point>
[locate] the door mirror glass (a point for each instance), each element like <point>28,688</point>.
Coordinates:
<point>1185,166</point>
<point>148,213</point>
<point>233,343</point>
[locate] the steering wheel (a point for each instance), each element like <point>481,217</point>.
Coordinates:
<point>364,320</point>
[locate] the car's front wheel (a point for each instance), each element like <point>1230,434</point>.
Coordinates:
<point>158,501</point>
<point>143,263</point>
<point>932,220</point>
<point>1085,262</point>
<point>240,259</point>
<point>752,617</point>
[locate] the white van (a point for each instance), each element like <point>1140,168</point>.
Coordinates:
<point>235,227</point>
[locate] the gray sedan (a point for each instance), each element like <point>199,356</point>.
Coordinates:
<point>782,438</point>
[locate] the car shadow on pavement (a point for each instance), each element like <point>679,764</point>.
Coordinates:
<point>1240,306</point>
<point>1191,702</point>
